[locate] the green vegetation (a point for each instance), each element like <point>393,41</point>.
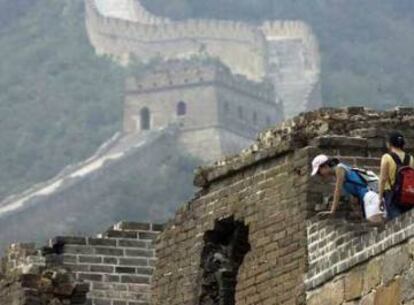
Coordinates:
<point>58,100</point>
<point>367,46</point>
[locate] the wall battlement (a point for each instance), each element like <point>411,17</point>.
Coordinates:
<point>310,129</point>
<point>182,74</point>
<point>192,28</point>
<point>284,51</point>
<point>294,257</point>
<point>252,234</point>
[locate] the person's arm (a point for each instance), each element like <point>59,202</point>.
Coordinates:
<point>340,178</point>
<point>384,174</point>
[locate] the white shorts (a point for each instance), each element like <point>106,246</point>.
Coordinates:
<point>372,204</point>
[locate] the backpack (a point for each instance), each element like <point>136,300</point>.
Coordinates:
<point>369,178</point>
<point>403,189</point>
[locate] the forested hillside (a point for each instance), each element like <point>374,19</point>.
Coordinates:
<point>58,101</point>
<point>367,46</point>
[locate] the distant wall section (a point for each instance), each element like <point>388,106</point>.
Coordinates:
<point>286,52</point>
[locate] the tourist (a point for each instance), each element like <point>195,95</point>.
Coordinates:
<point>351,182</point>
<point>394,164</point>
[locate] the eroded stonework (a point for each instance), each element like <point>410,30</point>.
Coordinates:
<point>252,235</point>
<point>224,249</point>
<point>293,252</point>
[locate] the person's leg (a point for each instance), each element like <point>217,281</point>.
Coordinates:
<point>393,210</point>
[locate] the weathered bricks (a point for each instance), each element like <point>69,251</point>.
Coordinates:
<point>115,266</point>
<point>135,279</point>
<point>133,262</point>
<point>268,187</point>
<point>109,251</point>
<point>101,242</point>
<point>121,257</point>
<point>90,259</point>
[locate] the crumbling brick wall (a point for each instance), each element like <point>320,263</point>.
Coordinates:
<point>27,279</point>
<point>118,265</point>
<point>115,267</point>
<point>268,189</point>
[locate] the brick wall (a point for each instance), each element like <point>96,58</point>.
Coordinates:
<point>268,189</point>
<point>27,279</point>
<point>116,266</point>
<point>270,200</point>
<point>376,269</point>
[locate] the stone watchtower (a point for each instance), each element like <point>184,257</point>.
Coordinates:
<point>251,236</point>
<point>285,52</point>
<point>216,112</point>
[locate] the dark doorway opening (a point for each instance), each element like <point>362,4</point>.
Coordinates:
<point>145,118</point>
<point>224,250</point>
<point>181,108</point>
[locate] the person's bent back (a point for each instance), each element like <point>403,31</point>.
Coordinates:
<point>391,163</point>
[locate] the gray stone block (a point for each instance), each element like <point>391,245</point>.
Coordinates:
<point>109,251</point>
<point>135,279</point>
<point>396,260</point>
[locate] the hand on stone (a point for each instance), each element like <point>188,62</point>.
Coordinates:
<point>382,205</point>
<point>326,213</point>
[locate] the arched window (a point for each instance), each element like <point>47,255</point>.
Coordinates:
<point>181,108</point>
<point>240,112</point>
<point>145,119</point>
<point>255,118</point>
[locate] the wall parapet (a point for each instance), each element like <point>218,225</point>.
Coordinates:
<point>346,251</point>
<point>183,74</point>
<point>302,130</point>
<point>115,266</point>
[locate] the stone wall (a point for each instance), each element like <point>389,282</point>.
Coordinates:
<point>115,268</point>
<point>179,38</point>
<point>267,188</point>
<point>223,112</point>
<point>71,198</point>
<point>118,265</point>
<point>285,51</point>
<point>26,278</point>
<point>376,269</point>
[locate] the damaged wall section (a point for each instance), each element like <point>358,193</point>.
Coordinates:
<point>112,269</point>
<point>224,249</point>
<point>268,188</point>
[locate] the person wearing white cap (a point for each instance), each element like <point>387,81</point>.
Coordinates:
<point>348,180</point>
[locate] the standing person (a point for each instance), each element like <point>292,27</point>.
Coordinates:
<point>391,163</point>
<point>349,181</point>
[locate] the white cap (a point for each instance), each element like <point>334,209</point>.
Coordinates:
<point>317,162</point>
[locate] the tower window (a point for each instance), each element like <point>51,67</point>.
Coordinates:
<point>145,118</point>
<point>181,108</point>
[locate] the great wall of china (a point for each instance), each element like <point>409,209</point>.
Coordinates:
<point>250,236</point>
<point>285,51</point>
